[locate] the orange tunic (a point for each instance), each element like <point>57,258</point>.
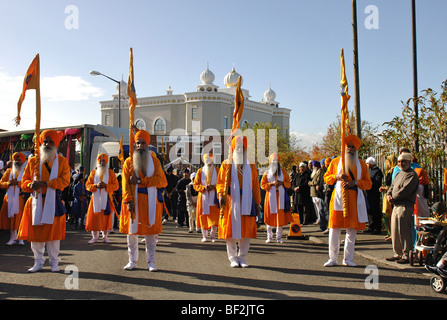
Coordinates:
<point>14,222</point>
<point>281,218</point>
<point>98,221</point>
<point>46,232</point>
<point>248,223</point>
<point>204,221</point>
<point>336,218</point>
<point>158,180</point>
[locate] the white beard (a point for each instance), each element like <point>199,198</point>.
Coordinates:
<point>350,161</point>
<point>238,157</point>
<point>140,158</point>
<point>15,171</point>
<point>101,170</point>
<point>209,170</point>
<point>47,154</point>
<point>314,171</point>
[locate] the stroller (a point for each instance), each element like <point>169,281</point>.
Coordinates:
<point>431,242</point>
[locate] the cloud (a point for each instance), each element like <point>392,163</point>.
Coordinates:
<point>57,88</point>
<point>68,88</point>
<point>54,90</point>
<point>307,140</point>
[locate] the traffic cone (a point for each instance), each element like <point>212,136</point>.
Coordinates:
<point>295,228</point>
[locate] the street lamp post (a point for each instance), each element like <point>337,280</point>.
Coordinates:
<point>415,76</point>
<point>97,73</point>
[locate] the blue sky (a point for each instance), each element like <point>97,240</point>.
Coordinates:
<point>292,45</point>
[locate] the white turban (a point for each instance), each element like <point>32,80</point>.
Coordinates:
<point>371,160</point>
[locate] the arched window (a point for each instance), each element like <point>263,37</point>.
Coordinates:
<point>140,124</point>
<point>159,125</point>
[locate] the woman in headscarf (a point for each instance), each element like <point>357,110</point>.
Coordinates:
<point>391,162</point>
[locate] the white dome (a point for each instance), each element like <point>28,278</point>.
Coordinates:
<point>231,79</point>
<point>207,77</point>
<point>270,95</point>
<point>123,88</point>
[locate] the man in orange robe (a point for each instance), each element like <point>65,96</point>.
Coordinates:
<point>237,225</point>
<point>43,221</point>
<point>14,201</point>
<point>354,183</point>
<point>207,210</point>
<point>142,208</point>
<point>101,183</point>
<point>275,181</point>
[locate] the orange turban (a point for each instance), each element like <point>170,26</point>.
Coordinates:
<point>354,140</point>
<point>273,156</point>
<point>143,134</point>
<point>53,136</point>
<point>327,161</point>
<point>19,155</point>
<point>237,140</point>
<point>102,156</point>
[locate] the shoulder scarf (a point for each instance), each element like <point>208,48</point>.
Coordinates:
<point>272,192</point>
<point>46,214</point>
<point>208,196</point>
<point>100,196</point>
<point>338,197</point>
<point>240,207</point>
<point>151,198</point>
<point>13,193</point>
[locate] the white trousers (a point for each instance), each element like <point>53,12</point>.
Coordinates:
<point>235,255</point>
<point>38,249</point>
<point>212,233</point>
<point>150,243</point>
<point>270,232</point>
<point>334,243</point>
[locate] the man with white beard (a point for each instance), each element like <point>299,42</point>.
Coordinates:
<point>101,182</point>
<point>43,221</point>
<point>237,225</point>
<point>14,200</point>
<point>207,208</point>
<point>354,183</point>
<point>275,181</point>
<point>142,208</point>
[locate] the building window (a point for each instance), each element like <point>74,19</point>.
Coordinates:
<point>225,122</point>
<point>107,120</point>
<point>217,149</point>
<point>159,125</point>
<point>194,112</point>
<point>162,147</point>
<point>198,149</point>
<point>140,124</point>
<point>180,149</point>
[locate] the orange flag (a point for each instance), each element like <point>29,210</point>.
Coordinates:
<point>344,122</point>
<point>238,107</point>
<point>121,152</point>
<point>31,81</point>
<point>132,103</point>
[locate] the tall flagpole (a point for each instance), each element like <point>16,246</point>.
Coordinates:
<point>358,122</point>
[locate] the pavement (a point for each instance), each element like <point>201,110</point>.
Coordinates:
<point>370,246</point>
